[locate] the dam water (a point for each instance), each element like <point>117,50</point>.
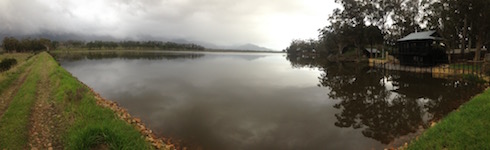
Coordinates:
<point>263,101</point>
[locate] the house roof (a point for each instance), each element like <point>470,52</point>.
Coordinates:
<point>427,35</point>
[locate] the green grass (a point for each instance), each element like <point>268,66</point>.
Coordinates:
<point>85,124</point>
<point>20,57</point>
<point>468,67</point>
<point>14,122</point>
<point>467,128</point>
<point>112,133</point>
<point>90,125</point>
<point>8,77</point>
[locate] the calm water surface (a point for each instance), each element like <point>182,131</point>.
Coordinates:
<point>264,101</point>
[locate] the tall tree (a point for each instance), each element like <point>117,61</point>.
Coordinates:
<point>335,36</point>
<point>10,44</point>
<point>463,9</point>
<point>480,20</point>
<point>441,15</point>
<point>460,22</point>
<point>379,11</point>
<point>352,18</point>
<point>405,17</point>
<point>374,36</point>
<point>46,43</point>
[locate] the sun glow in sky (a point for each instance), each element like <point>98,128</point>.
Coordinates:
<point>271,24</point>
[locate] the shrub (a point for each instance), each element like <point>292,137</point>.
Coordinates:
<point>7,63</point>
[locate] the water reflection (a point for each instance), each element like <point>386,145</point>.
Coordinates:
<point>388,105</point>
<point>258,101</point>
<point>97,55</point>
<point>301,62</point>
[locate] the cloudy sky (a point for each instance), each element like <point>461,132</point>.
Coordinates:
<point>268,23</point>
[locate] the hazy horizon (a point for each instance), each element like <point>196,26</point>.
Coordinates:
<point>270,24</point>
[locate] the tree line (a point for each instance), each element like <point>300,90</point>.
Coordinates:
<point>131,45</point>
<point>361,24</point>
<point>11,44</point>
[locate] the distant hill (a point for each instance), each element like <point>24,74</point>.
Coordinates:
<point>248,46</point>
<point>251,47</point>
<point>87,38</point>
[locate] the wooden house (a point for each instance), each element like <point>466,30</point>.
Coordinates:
<point>422,49</point>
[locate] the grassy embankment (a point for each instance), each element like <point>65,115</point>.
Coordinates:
<point>6,78</point>
<point>13,119</point>
<point>466,128</point>
<point>84,124</point>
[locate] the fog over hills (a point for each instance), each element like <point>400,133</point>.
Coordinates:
<point>224,24</point>
<point>247,46</point>
<point>68,36</point>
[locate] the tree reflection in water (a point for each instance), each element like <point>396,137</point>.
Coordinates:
<point>75,56</point>
<point>387,105</point>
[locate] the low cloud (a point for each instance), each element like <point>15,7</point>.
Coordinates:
<point>224,22</point>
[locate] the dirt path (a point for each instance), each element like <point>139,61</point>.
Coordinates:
<point>8,94</point>
<point>41,121</point>
<point>45,117</point>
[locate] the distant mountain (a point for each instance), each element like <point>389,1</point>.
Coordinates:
<point>208,45</point>
<point>70,36</point>
<point>248,46</point>
<point>251,47</point>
